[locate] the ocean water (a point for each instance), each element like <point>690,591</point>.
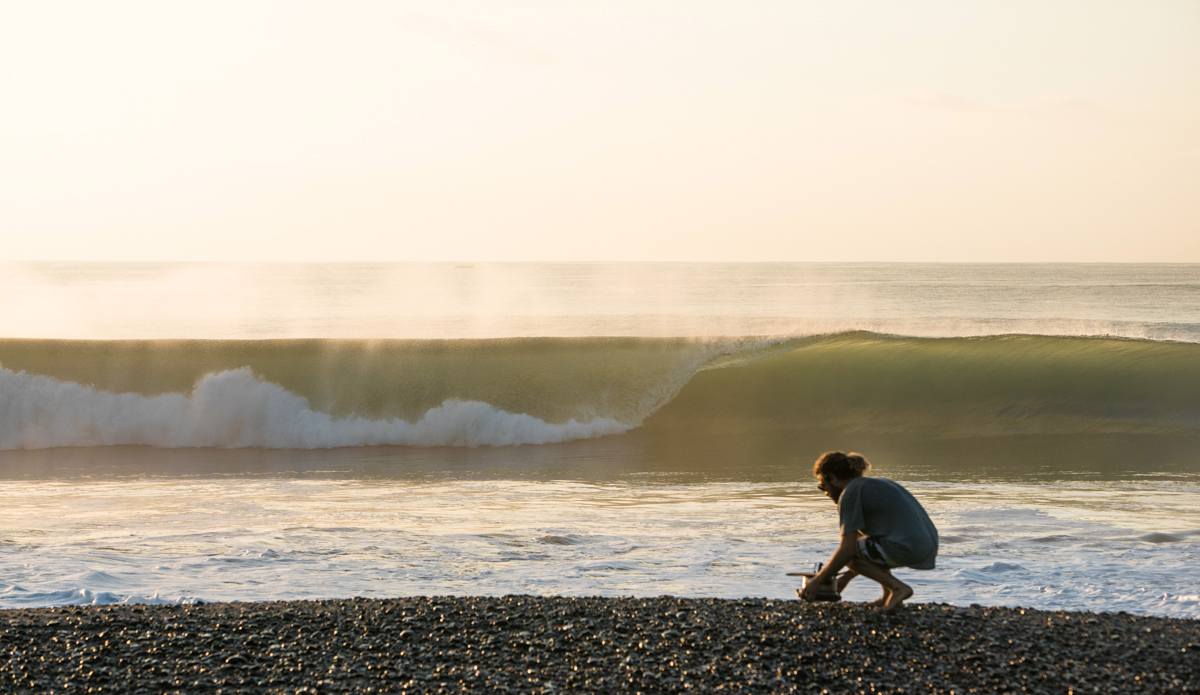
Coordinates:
<point>182,432</point>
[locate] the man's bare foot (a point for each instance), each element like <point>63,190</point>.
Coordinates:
<point>896,597</point>
<point>879,602</point>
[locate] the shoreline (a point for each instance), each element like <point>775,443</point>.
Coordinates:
<point>521,644</point>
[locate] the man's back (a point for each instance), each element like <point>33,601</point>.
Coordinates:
<point>885,511</point>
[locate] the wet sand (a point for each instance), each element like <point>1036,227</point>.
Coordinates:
<point>523,644</point>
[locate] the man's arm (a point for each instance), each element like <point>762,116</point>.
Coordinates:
<point>845,553</point>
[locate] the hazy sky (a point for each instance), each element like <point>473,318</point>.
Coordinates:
<point>577,130</point>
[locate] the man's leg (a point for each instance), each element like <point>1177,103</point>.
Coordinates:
<point>895,592</point>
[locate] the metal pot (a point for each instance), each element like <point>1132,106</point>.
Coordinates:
<point>827,591</point>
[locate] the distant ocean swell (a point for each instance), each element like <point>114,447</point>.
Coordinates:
<point>324,394</point>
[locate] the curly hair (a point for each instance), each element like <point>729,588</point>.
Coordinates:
<point>839,465</point>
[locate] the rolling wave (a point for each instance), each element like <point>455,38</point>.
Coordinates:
<point>326,394</point>
<point>951,387</point>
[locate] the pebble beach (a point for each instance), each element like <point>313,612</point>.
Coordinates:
<point>526,644</point>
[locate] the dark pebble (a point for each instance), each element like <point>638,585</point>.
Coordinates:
<point>524,644</point>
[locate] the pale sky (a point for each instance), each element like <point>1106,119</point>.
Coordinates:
<point>610,130</point>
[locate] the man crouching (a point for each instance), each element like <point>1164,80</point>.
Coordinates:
<point>883,526</point>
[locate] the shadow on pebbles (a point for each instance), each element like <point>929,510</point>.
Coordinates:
<point>524,644</point>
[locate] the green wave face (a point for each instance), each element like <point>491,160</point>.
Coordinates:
<point>949,387</point>
<point>839,384</point>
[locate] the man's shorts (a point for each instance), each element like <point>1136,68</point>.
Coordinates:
<point>869,549</point>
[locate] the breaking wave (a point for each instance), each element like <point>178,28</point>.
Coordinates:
<point>234,409</point>
<point>325,394</point>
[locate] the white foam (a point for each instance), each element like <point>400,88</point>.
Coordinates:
<point>16,597</point>
<point>235,409</point>
<point>1003,567</point>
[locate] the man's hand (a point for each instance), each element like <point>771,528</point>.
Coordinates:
<point>809,592</point>
<point>844,554</point>
<point>812,586</point>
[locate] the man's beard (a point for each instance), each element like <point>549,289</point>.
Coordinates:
<point>835,493</point>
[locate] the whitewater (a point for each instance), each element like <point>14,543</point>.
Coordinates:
<point>185,540</point>
<point>182,432</point>
<point>234,409</point>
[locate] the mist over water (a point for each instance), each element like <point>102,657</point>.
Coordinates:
<point>112,301</point>
<point>439,383</point>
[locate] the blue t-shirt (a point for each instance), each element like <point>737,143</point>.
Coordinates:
<point>885,511</point>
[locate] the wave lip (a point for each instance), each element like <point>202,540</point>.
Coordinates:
<point>235,409</point>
